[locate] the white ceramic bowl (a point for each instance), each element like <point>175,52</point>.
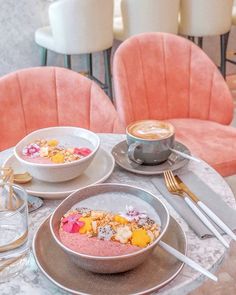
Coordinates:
<point>77,137</point>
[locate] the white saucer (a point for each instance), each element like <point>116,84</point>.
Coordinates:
<point>99,170</point>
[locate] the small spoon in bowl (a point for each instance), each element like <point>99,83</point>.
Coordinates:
<point>22,178</point>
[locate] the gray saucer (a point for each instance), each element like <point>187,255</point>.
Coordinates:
<point>174,161</point>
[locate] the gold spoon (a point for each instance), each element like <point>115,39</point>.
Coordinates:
<point>22,178</point>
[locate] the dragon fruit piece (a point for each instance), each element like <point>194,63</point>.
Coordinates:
<point>82,151</point>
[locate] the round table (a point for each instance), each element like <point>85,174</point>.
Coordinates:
<point>209,252</point>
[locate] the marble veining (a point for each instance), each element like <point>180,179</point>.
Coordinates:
<point>209,252</point>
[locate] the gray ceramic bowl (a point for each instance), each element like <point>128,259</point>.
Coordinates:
<point>111,197</point>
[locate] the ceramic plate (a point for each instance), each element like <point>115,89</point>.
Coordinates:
<point>98,171</point>
<point>174,161</point>
<point>155,273</point>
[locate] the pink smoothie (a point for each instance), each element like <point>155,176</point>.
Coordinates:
<point>81,243</point>
<point>38,160</point>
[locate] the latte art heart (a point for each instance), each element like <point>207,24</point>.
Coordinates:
<point>151,129</point>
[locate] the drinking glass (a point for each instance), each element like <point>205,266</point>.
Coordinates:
<point>14,249</point>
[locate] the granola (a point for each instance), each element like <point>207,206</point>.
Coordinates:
<point>54,151</point>
<point>130,227</point>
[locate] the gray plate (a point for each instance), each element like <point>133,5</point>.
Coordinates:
<point>156,272</point>
<point>174,161</point>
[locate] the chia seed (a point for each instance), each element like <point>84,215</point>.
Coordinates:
<point>145,221</point>
<point>105,232</point>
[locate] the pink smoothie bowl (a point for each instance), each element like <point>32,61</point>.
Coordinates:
<point>64,171</point>
<point>110,197</point>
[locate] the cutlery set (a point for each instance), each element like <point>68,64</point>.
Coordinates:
<point>177,187</point>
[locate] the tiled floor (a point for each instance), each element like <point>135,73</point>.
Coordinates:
<point>227,272</point>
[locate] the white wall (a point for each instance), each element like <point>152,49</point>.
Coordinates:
<point>18,21</point>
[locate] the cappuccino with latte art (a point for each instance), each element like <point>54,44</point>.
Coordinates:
<point>150,141</point>
<point>151,129</point>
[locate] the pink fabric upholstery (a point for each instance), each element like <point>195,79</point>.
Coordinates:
<point>158,75</point>
<point>42,97</point>
<point>163,76</point>
<point>213,142</point>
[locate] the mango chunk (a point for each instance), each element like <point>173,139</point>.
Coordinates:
<point>58,158</point>
<point>53,142</point>
<point>87,225</point>
<point>120,219</point>
<point>140,238</point>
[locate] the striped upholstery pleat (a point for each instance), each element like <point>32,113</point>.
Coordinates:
<point>163,76</point>
<point>36,98</point>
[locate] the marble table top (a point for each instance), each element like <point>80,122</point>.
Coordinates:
<point>209,252</point>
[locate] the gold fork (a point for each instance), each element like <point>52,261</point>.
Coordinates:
<point>174,188</point>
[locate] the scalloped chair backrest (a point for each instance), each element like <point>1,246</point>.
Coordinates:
<point>163,76</point>
<point>36,98</point>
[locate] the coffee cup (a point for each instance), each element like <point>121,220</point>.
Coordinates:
<point>149,141</point>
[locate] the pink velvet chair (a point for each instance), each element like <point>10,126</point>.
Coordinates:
<point>166,77</point>
<point>43,97</point>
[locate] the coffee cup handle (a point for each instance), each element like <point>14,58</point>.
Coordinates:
<point>131,150</point>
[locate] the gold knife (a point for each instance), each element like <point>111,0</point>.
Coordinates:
<point>206,209</point>
<point>184,187</point>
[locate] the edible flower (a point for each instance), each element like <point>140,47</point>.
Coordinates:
<point>82,151</point>
<point>32,150</point>
<point>72,224</point>
<point>133,214</point>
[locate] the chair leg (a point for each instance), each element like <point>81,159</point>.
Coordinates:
<point>67,61</point>
<point>107,68</point>
<point>43,56</point>
<point>200,42</point>
<point>191,38</point>
<point>90,64</point>
<point>223,49</point>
